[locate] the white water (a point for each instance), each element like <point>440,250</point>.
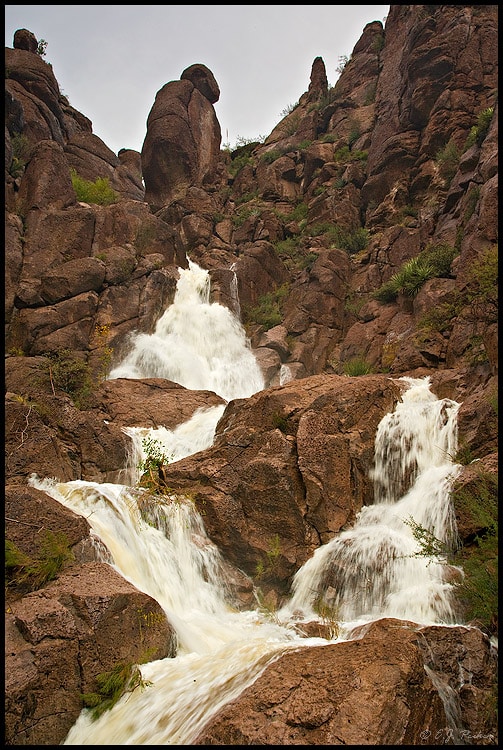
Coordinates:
<point>365,573</point>
<point>374,569</point>
<point>198,344</point>
<point>192,436</point>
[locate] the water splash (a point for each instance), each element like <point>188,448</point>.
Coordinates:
<point>377,569</point>
<point>198,344</point>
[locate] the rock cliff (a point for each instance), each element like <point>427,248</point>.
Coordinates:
<point>361,236</point>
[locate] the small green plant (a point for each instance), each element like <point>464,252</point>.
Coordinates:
<point>429,545</point>
<point>25,573</point>
<point>357,366</point>
<point>20,153</point>
<point>288,110</point>
<point>343,61</point>
<point>355,241</point>
<point>479,131</point>
<point>41,48</point>
<point>440,318</point>
<point>447,160</point>
<point>433,261</point>
<point>71,374</point>
<point>272,557</point>
<point>98,192</point>
<point>268,311</point>
<point>478,591</point>
<point>238,163</point>
<point>290,125</point>
<point>280,422</point>
<point>155,457</point>
<point>329,615</point>
<point>345,154</point>
<point>123,678</point>
<point>477,555</point>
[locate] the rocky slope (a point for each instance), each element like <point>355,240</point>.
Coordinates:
<point>362,237</point>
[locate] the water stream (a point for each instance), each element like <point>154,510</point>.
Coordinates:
<point>370,571</point>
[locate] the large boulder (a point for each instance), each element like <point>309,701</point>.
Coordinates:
<point>290,464</point>
<point>182,145</point>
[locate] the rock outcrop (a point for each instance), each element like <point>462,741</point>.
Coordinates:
<point>370,691</point>
<point>359,237</point>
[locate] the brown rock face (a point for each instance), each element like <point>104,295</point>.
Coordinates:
<point>24,39</point>
<point>271,471</point>
<point>366,692</point>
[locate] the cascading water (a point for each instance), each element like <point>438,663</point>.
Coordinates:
<point>198,344</point>
<point>160,544</point>
<point>377,569</point>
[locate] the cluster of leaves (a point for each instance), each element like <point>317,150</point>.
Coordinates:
<point>98,192</point>
<point>151,466</point>
<point>24,573</point>
<point>123,678</point>
<point>479,131</point>
<point>272,558</point>
<point>434,261</point>
<point>293,254</point>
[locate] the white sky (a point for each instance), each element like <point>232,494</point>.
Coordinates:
<point>111,60</point>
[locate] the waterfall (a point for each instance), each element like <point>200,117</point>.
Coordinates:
<point>377,568</point>
<point>159,544</point>
<point>198,344</point>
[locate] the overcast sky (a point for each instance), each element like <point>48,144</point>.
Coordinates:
<point>111,60</point>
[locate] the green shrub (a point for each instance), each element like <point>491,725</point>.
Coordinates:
<point>41,47</point>
<point>479,131</point>
<point>411,277</point>
<point>447,160</point>
<point>481,293</point>
<point>25,573</point>
<point>280,422</point>
<point>70,373</point>
<point>238,163</point>
<point>292,253</point>
<point>434,261</point>
<point>439,257</point>
<point>355,241</point>
<point>98,192</point>
<point>268,311</point>
<point>478,591</point>
<point>271,156</point>
<point>357,366</point>
<point>440,318</point>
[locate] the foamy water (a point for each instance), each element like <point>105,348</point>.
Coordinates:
<point>160,545</point>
